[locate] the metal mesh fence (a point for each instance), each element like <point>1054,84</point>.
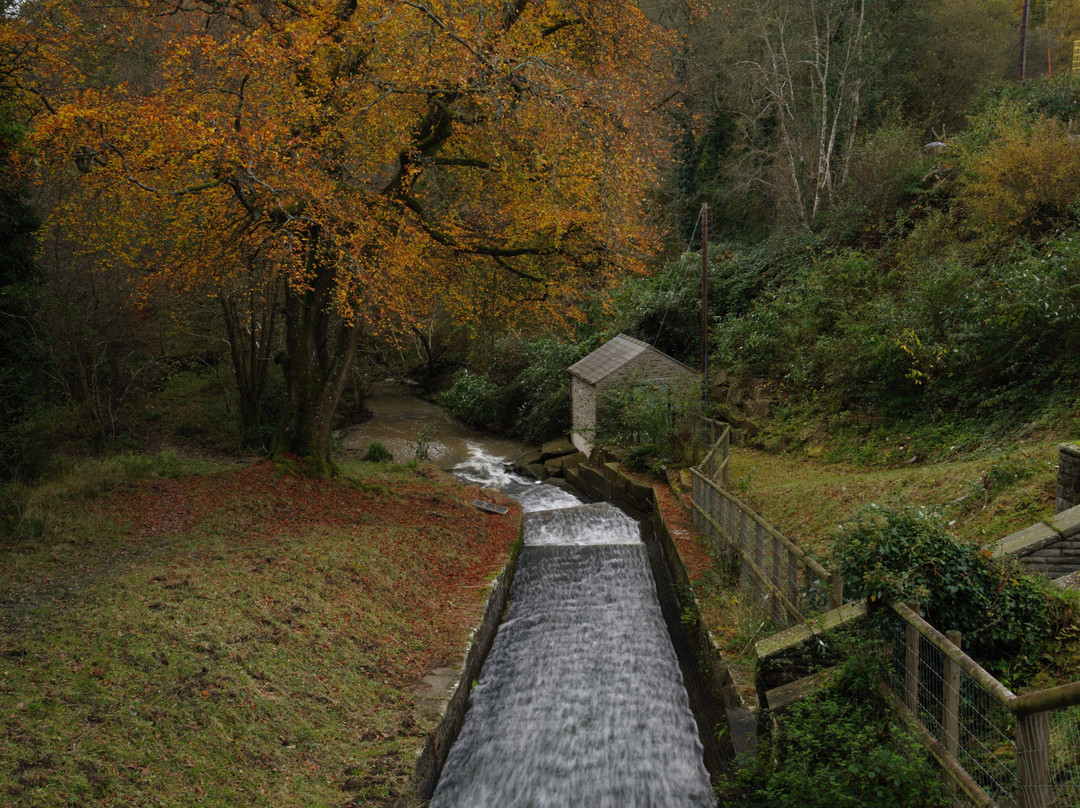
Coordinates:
<point>782,578</point>
<point>1064,757</point>
<point>973,726</point>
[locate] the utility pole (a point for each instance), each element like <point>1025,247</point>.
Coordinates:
<point>705,301</point>
<point>1022,63</point>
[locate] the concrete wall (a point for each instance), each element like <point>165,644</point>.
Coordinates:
<point>432,756</point>
<point>1051,548</point>
<point>1068,478</point>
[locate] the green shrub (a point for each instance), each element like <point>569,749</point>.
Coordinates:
<point>653,419</point>
<point>377,453</point>
<point>885,169</point>
<point>842,746</point>
<point>473,399</point>
<point>1007,617</point>
<point>544,389</point>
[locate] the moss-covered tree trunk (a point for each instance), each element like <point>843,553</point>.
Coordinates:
<point>319,351</point>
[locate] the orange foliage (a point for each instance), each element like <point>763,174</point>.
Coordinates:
<point>1026,179</point>
<point>441,150</point>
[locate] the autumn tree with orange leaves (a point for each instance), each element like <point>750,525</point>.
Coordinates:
<point>378,159</point>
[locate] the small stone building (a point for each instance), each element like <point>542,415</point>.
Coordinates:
<point>618,360</point>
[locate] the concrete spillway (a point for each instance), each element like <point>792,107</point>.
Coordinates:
<point>581,700</point>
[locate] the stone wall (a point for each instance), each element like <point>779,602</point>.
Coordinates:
<point>1051,548</point>
<point>1068,478</point>
<point>582,413</point>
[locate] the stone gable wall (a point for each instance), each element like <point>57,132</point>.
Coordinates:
<point>1068,478</point>
<point>582,414</point>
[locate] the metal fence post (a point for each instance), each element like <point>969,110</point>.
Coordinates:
<point>1033,760</point>
<point>950,720</point>
<point>911,663</point>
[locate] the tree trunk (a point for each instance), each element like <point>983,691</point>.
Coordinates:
<point>251,328</point>
<point>319,351</point>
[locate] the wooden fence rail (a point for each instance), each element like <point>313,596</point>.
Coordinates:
<point>1000,748</point>
<point>785,580</point>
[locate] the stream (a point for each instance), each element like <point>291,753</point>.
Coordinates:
<point>581,701</point>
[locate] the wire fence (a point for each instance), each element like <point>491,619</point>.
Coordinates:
<point>717,436</point>
<point>1000,749</point>
<point>785,581</point>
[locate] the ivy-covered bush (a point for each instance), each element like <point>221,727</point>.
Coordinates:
<point>1007,616</point>
<point>840,747</point>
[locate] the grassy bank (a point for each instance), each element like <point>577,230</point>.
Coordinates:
<point>983,494</point>
<point>241,636</point>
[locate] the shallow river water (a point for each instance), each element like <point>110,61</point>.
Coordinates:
<point>401,420</point>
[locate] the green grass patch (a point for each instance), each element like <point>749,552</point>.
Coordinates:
<point>983,496</point>
<point>240,637</point>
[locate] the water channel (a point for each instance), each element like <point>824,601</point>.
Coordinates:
<point>581,700</point>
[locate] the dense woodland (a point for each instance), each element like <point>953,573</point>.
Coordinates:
<point>277,202</point>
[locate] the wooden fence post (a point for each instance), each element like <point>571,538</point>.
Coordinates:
<point>726,454</point>
<point>793,578</point>
<point>759,558</point>
<point>911,663</point>
<point>777,571</point>
<point>1033,760</point>
<point>950,719</point>
<point>836,590</point>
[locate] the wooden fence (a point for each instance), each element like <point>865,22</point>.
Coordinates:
<point>717,436</point>
<point>784,579</point>
<point>998,748</point>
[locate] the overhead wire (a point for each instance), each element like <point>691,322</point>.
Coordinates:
<point>675,276</point>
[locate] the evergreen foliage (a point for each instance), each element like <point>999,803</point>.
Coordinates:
<point>1006,616</point>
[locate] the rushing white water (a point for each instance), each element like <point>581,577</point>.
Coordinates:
<point>601,523</point>
<point>581,701</point>
<point>486,469</point>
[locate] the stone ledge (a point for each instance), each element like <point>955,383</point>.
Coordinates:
<point>1070,449</point>
<point>1027,541</point>
<point>1067,523</point>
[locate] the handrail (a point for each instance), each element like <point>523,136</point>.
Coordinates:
<point>1052,698</point>
<point>968,665</point>
<point>789,607</point>
<point>801,554</point>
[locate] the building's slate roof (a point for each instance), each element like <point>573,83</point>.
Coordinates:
<point>608,358</point>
